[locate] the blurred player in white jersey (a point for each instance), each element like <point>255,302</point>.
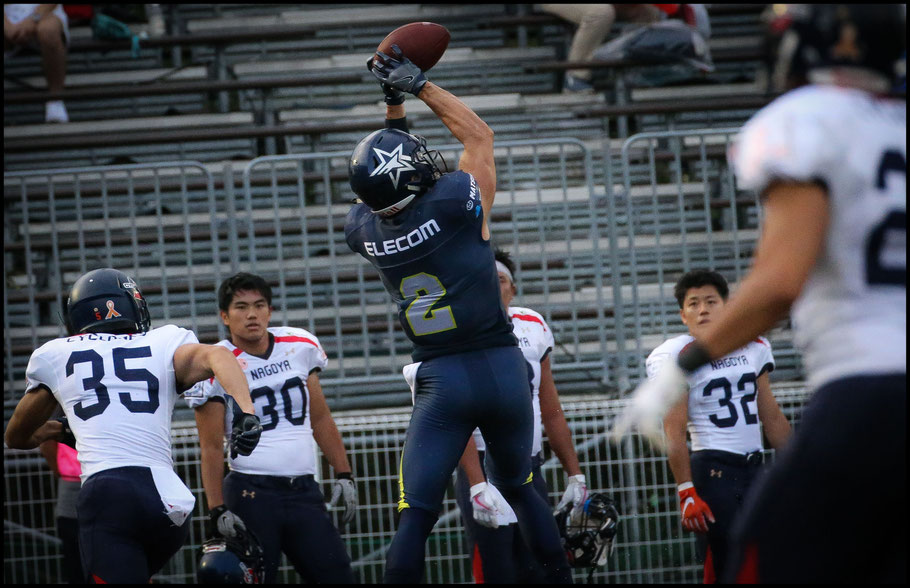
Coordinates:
<point>117,382</point>
<point>499,555</point>
<point>273,491</point>
<point>726,401</point>
<point>829,160</point>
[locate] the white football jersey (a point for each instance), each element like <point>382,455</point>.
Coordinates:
<point>851,316</point>
<point>117,391</point>
<point>723,404</point>
<point>535,340</point>
<point>278,387</point>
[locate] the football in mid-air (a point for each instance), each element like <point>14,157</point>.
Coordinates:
<point>421,42</point>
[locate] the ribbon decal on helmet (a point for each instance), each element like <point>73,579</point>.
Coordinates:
<point>111,313</point>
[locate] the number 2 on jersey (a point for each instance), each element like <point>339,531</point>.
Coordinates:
<point>422,317</point>
<point>890,235</point>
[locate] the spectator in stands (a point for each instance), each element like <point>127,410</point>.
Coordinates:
<point>499,554</point>
<point>64,462</point>
<point>44,28</point>
<point>594,23</point>
<point>722,411</point>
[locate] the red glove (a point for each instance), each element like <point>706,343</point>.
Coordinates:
<point>695,511</point>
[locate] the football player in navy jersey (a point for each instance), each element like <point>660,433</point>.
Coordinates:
<point>829,159</point>
<point>726,401</point>
<point>426,233</point>
<point>273,492</point>
<point>117,381</point>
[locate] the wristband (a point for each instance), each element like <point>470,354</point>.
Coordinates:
<point>397,123</point>
<point>693,357</point>
<point>685,486</point>
<point>344,476</point>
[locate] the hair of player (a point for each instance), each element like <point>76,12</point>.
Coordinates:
<point>697,279</point>
<point>239,282</point>
<point>503,257</point>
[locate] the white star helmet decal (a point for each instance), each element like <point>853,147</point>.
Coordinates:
<point>393,163</point>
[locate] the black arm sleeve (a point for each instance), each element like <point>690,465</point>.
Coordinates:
<point>397,123</point>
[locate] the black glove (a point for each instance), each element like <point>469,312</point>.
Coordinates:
<point>245,434</point>
<point>68,438</point>
<point>224,523</point>
<point>393,97</point>
<point>398,72</point>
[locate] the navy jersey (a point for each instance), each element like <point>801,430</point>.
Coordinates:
<point>440,271</point>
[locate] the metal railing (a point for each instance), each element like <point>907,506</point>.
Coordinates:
<point>651,546</point>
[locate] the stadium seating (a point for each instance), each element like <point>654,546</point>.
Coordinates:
<point>672,209</point>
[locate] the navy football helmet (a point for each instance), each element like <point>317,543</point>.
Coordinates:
<point>232,560</point>
<point>588,536</point>
<point>106,301</point>
<point>389,168</point>
<point>807,37</point>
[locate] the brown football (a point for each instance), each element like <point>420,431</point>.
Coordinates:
<point>421,42</point>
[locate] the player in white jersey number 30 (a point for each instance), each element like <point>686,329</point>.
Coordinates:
<point>830,162</point>
<point>273,493</point>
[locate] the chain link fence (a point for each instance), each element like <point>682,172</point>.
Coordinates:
<point>651,546</point>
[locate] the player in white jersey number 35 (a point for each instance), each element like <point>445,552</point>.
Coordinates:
<point>117,382</point>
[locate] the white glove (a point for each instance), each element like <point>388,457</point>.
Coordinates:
<point>576,493</point>
<point>650,403</point>
<point>345,487</point>
<point>490,508</point>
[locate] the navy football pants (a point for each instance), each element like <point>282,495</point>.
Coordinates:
<point>124,534</point>
<point>288,514</point>
<point>501,555</point>
<point>722,480</point>
<point>833,507</point>
<point>455,393</point>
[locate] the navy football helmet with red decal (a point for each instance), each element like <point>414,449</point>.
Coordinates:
<point>389,168</point>
<point>106,301</point>
<point>232,560</point>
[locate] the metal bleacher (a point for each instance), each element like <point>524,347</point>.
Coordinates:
<point>600,233</point>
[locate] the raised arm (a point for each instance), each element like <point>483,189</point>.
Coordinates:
<point>469,129</point>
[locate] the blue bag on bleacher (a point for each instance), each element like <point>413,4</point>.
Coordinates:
<point>105,27</point>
